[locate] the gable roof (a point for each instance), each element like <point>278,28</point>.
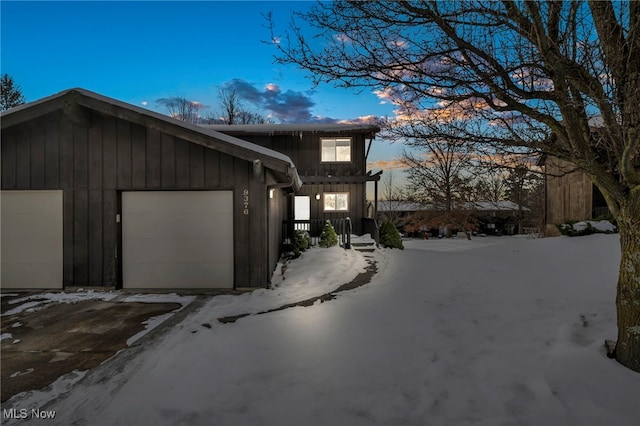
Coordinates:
<point>295,129</point>
<point>69,100</point>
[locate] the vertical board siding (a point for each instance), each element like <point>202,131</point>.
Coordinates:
<point>109,154</point>
<point>154,159</point>
<point>183,171</point>
<point>66,154</point>
<point>67,237</point>
<point>240,173</point>
<point>211,168</point>
<point>81,237</point>
<point>138,157</point>
<point>277,213</point>
<point>569,195</point>
<point>257,227</point>
<point>23,148</point>
<point>52,153</point>
<point>80,157</point>
<point>95,235</point>
<point>95,155</point>
<point>123,152</point>
<point>168,161</point>
<point>196,163</point>
<point>109,238</point>
<point>9,160</point>
<point>37,157</point>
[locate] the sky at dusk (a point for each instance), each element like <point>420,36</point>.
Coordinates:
<point>140,52</point>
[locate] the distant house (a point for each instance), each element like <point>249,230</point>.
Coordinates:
<point>569,194</point>
<point>100,193</point>
<point>490,217</point>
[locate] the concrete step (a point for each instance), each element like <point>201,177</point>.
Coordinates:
<point>368,247</point>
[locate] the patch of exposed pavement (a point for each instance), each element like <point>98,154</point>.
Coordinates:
<point>361,279</point>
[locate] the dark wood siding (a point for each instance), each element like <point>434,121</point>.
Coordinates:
<point>305,153</point>
<point>277,214</point>
<point>93,159</point>
<point>357,203</point>
<point>304,150</point>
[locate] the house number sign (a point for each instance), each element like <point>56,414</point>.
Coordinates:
<point>245,201</point>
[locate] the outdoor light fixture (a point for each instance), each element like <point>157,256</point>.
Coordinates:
<point>318,197</point>
<point>271,192</point>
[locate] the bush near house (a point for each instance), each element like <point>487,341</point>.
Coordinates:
<point>390,237</point>
<point>301,241</point>
<point>328,238</point>
<point>577,229</point>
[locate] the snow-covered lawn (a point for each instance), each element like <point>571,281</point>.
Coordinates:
<point>492,331</point>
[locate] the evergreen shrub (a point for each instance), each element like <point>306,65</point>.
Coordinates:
<point>301,241</point>
<point>328,238</point>
<point>390,237</point>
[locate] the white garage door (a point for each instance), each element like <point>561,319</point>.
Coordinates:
<point>177,239</point>
<point>31,229</point>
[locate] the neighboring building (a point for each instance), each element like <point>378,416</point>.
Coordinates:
<point>569,194</point>
<point>489,217</point>
<point>100,193</point>
<point>331,160</point>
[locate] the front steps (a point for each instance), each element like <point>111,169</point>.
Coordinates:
<point>364,247</point>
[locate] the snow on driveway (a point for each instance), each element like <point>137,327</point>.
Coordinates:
<point>493,331</point>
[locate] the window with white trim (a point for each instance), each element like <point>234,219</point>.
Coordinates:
<point>336,201</point>
<point>335,150</point>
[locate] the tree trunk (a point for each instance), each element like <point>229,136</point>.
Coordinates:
<point>628,294</point>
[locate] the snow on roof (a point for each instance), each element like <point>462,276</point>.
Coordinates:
<point>497,205</point>
<point>409,206</point>
<point>401,206</point>
<point>293,128</point>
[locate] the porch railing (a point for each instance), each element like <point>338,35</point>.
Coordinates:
<point>314,227</point>
<point>370,226</point>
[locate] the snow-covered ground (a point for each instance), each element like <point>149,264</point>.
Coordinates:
<point>492,331</point>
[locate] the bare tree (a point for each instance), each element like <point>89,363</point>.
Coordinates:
<point>521,182</point>
<point>442,176</point>
<point>518,71</point>
<point>233,110</point>
<point>491,187</point>
<point>182,108</point>
<point>391,197</point>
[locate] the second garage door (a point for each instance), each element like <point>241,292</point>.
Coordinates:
<point>31,230</point>
<point>177,239</point>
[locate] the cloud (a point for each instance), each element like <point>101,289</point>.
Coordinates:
<point>285,106</point>
<point>394,163</point>
<point>365,119</point>
<point>288,106</point>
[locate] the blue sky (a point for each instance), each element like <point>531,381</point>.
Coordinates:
<point>139,52</point>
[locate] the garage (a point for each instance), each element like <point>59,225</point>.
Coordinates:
<point>31,226</point>
<point>177,239</point>
<point>150,202</point>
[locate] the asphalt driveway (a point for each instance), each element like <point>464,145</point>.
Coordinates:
<point>40,345</point>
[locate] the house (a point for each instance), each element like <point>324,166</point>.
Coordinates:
<point>569,194</point>
<point>489,217</point>
<point>331,160</point>
<point>100,193</point>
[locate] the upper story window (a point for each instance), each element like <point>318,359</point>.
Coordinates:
<point>335,149</point>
